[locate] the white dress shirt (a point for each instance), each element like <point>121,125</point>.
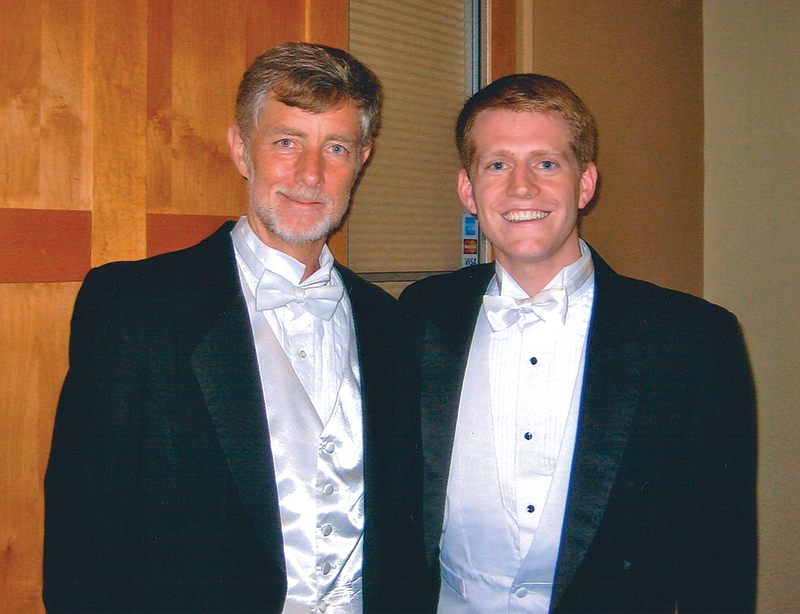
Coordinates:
<point>509,476</point>
<point>311,382</point>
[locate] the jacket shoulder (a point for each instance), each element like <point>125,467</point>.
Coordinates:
<point>449,288</point>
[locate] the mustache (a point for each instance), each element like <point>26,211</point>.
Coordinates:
<point>308,195</point>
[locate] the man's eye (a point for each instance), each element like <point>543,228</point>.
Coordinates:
<point>548,165</point>
<point>497,166</point>
<point>285,143</point>
<point>338,149</point>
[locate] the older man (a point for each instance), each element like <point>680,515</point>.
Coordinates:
<point>588,439</point>
<point>224,438</point>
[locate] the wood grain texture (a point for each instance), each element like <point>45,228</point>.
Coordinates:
<point>167,233</point>
<point>20,95</point>
<point>44,246</point>
<point>208,60</point>
<point>159,105</point>
<point>327,22</point>
<point>120,126</point>
<point>502,38</point>
<point>271,22</point>
<point>66,159</point>
<point>34,334</point>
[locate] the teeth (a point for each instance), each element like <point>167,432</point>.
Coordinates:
<point>525,216</point>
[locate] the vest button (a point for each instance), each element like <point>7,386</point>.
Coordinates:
<point>326,568</point>
<point>326,530</point>
<point>530,509</point>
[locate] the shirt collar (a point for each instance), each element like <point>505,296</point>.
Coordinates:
<point>573,277</point>
<point>258,256</point>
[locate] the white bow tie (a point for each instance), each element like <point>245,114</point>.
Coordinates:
<point>274,291</point>
<point>503,311</point>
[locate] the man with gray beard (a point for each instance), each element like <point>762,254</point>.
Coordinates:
<point>225,440</point>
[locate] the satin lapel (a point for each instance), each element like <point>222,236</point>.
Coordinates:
<point>227,370</point>
<point>446,340</point>
<point>609,399</point>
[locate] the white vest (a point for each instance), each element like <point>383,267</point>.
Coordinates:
<point>481,568</point>
<point>319,474</point>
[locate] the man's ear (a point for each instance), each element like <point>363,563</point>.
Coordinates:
<point>238,149</point>
<point>365,153</point>
<point>465,192</point>
<point>588,185</point>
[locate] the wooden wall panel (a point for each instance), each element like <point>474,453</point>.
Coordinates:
<point>42,246</point>
<point>119,119</point>
<point>209,57</point>
<point>168,233</point>
<point>34,320</point>
<point>159,105</point>
<point>264,29</point>
<point>20,57</point>
<point>65,176</point>
<point>327,23</point>
<point>502,50</point>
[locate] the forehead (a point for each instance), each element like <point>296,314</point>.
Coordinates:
<point>342,122</point>
<point>504,128</point>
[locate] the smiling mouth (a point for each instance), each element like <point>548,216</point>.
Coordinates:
<point>525,216</point>
<point>308,198</point>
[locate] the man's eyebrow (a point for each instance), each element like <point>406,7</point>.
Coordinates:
<point>553,153</point>
<point>289,131</point>
<point>345,138</point>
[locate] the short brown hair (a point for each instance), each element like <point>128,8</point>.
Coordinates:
<point>530,93</point>
<point>311,77</point>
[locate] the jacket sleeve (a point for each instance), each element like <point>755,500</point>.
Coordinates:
<point>91,475</point>
<point>720,561</point>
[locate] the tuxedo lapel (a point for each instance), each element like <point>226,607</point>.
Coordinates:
<point>227,371</point>
<point>609,398</point>
<point>446,340</point>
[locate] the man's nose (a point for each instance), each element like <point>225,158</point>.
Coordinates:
<point>522,182</point>
<point>309,168</point>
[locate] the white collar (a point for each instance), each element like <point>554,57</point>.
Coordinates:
<point>258,256</point>
<point>572,277</point>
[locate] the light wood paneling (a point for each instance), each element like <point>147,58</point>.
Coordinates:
<point>326,22</point>
<point>167,233</point>
<point>502,38</point>
<point>34,320</point>
<point>159,105</point>
<point>41,246</point>
<point>66,155</point>
<point>208,61</point>
<point>265,28</point>
<point>20,57</point>
<point>119,119</point>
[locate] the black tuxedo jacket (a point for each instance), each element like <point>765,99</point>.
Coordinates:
<point>160,491</point>
<point>661,509</point>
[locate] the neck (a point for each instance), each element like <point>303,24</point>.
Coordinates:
<point>306,253</point>
<point>533,276</point>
